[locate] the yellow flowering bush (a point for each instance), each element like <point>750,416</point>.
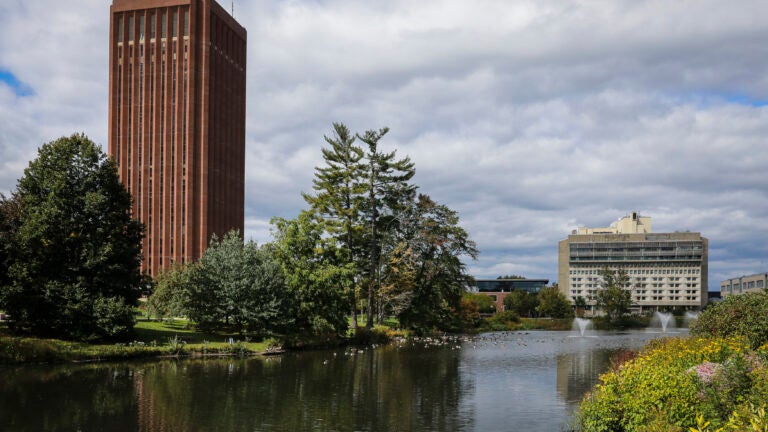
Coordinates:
<point>659,387</point>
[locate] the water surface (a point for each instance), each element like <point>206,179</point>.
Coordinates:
<point>509,381</point>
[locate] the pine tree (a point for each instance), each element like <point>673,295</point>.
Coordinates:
<point>388,188</point>
<point>339,198</point>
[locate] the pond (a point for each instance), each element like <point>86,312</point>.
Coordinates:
<point>490,382</point>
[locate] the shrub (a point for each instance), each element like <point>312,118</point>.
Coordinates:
<point>657,388</point>
<point>737,315</point>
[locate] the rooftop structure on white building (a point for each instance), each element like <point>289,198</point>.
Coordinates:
<point>666,271</point>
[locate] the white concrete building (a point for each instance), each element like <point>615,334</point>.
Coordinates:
<point>666,270</point>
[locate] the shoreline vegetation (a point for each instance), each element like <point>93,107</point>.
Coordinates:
<point>176,339</point>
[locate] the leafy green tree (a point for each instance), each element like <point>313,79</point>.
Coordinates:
<point>10,221</point>
<point>581,304</point>
<point>436,243</point>
<point>73,264</point>
<point>167,299</point>
<point>338,200</point>
<point>236,284</point>
<point>744,315</point>
<point>552,303</point>
<point>387,185</point>
<point>521,302</point>
<point>315,279</point>
<point>615,294</point>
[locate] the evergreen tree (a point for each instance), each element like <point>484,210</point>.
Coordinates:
<point>387,185</point>
<point>73,264</point>
<point>338,201</point>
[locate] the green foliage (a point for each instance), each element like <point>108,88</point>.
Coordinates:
<point>614,296</point>
<point>71,244</point>
<point>315,280</point>
<point>521,302</point>
<point>387,190</point>
<point>236,284</point>
<point>435,242</point>
<point>737,315</point>
<point>470,308</point>
<point>339,199</point>
<point>501,321</point>
<point>485,304</point>
<point>167,299</point>
<point>10,221</point>
<point>552,303</point>
<point>681,384</point>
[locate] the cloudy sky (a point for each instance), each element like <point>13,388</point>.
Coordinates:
<point>528,117</point>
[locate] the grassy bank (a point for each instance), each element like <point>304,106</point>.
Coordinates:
<point>152,339</point>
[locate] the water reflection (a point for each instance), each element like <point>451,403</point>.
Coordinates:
<point>502,381</point>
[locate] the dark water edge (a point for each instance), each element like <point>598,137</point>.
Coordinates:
<point>490,382</point>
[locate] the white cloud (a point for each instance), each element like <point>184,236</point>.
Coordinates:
<point>530,118</point>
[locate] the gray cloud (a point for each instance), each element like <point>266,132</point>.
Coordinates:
<point>530,118</point>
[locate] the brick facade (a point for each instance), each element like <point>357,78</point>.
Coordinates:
<point>177,122</point>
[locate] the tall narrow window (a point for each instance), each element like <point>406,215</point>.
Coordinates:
<point>152,26</point>
<point>186,22</point>
<point>130,28</point>
<point>120,30</point>
<point>163,25</point>
<point>141,28</point>
<point>175,23</point>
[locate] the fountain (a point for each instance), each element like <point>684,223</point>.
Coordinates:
<point>581,325</point>
<point>690,317</point>
<point>663,320</point>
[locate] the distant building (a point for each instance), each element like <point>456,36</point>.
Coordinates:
<point>666,270</point>
<point>744,284</point>
<point>177,122</point>
<point>500,288</point>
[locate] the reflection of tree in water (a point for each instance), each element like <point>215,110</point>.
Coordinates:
<point>578,372</point>
<point>381,390</point>
<point>67,398</point>
<point>385,389</point>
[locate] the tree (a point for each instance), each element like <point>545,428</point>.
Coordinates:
<point>73,265</point>
<point>615,294</point>
<point>521,302</point>
<point>435,243</point>
<point>581,304</point>
<point>337,204</point>
<point>315,279</point>
<point>552,303</point>
<point>10,221</point>
<point>167,299</point>
<point>236,284</point>
<point>387,187</point>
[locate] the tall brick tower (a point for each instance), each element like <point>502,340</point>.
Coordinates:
<point>177,122</point>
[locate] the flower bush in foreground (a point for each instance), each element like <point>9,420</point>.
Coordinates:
<point>681,384</point>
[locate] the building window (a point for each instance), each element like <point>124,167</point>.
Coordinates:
<point>151,26</point>
<point>141,28</point>
<point>120,30</point>
<point>186,22</point>
<point>163,25</point>
<point>175,23</point>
